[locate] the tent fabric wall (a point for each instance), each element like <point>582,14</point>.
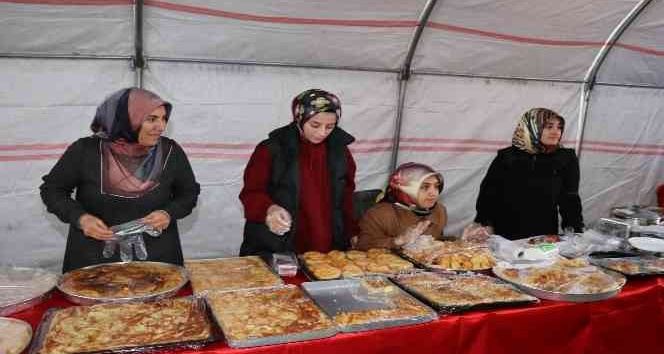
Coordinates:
<point>231,68</point>
<point>456,125</point>
<point>44,106</point>
<point>532,39</point>
<point>29,27</point>
<point>220,125</point>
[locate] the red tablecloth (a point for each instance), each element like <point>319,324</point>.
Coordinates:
<point>632,322</point>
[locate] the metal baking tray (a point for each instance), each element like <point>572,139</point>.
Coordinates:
<point>17,293</point>
<point>641,263</point>
<point>18,344</point>
<point>437,268</point>
<point>560,296</point>
<point>88,300</point>
<point>272,339</point>
<point>346,295</point>
<point>197,302</point>
<point>481,303</point>
<point>304,267</point>
<point>223,273</point>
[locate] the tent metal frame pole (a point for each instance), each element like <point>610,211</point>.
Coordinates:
<point>269,64</point>
<point>591,74</point>
<point>63,56</point>
<point>404,76</point>
<point>138,62</point>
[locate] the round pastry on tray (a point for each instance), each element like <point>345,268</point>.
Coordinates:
<point>122,281</point>
<point>15,335</point>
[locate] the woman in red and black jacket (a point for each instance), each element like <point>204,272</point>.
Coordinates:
<point>299,183</point>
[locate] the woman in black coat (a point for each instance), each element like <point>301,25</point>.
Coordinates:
<point>125,171</point>
<point>529,183</point>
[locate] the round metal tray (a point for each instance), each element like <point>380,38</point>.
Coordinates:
<point>38,292</point>
<point>89,300</point>
<point>5,321</point>
<point>572,297</point>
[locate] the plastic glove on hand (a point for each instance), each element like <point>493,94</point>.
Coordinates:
<point>278,219</point>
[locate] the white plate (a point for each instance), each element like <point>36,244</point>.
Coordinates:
<point>648,243</point>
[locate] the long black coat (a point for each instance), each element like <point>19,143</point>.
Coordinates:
<point>79,169</point>
<point>522,194</point>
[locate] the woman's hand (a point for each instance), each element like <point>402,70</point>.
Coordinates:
<point>412,233</point>
<point>278,219</point>
<point>93,227</point>
<point>158,219</point>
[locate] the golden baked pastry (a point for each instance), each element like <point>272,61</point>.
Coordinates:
<point>401,305</point>
<point>122,280</point>
<point>354,263</point>
<point>230,274</point>
<point>252,314</point>
<point>108,327</point>
<point>454,290</point>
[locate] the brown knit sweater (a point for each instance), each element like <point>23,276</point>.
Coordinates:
<point>381,224</point>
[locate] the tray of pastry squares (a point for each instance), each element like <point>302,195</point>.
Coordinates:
<point>457,292</point>
<point>256,317</point>
<point>351,264</point>
<point>233,273</point>
<point>124,327</point>
<point>632,266</point>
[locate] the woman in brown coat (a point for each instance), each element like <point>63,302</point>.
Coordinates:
<point>409,209</point>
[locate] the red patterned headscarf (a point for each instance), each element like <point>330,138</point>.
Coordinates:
<point>311,102</point>
<point>405,182</point>
<point>128,169</point>
<point>528,133</point>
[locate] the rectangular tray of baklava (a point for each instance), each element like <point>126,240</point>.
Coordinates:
<point>124,327</point>
<point>453,293</point>
<point>258,317</point>
<point>234,273</point>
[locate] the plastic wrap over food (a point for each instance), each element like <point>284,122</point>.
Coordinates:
<point>22,288</point>
<point>475,232</point>
<point>590,241</point>
<point>128,239</point>
<point>458,255</point>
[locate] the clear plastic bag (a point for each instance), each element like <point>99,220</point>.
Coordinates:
<point>128,239</point>
<point>516,253</point>
<point>590,241</point>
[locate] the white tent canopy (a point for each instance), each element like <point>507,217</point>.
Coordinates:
<point>439,82</point>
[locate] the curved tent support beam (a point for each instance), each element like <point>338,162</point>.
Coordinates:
<point>138,62</point>
<point>591,74</point>
<point>404,75</point>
